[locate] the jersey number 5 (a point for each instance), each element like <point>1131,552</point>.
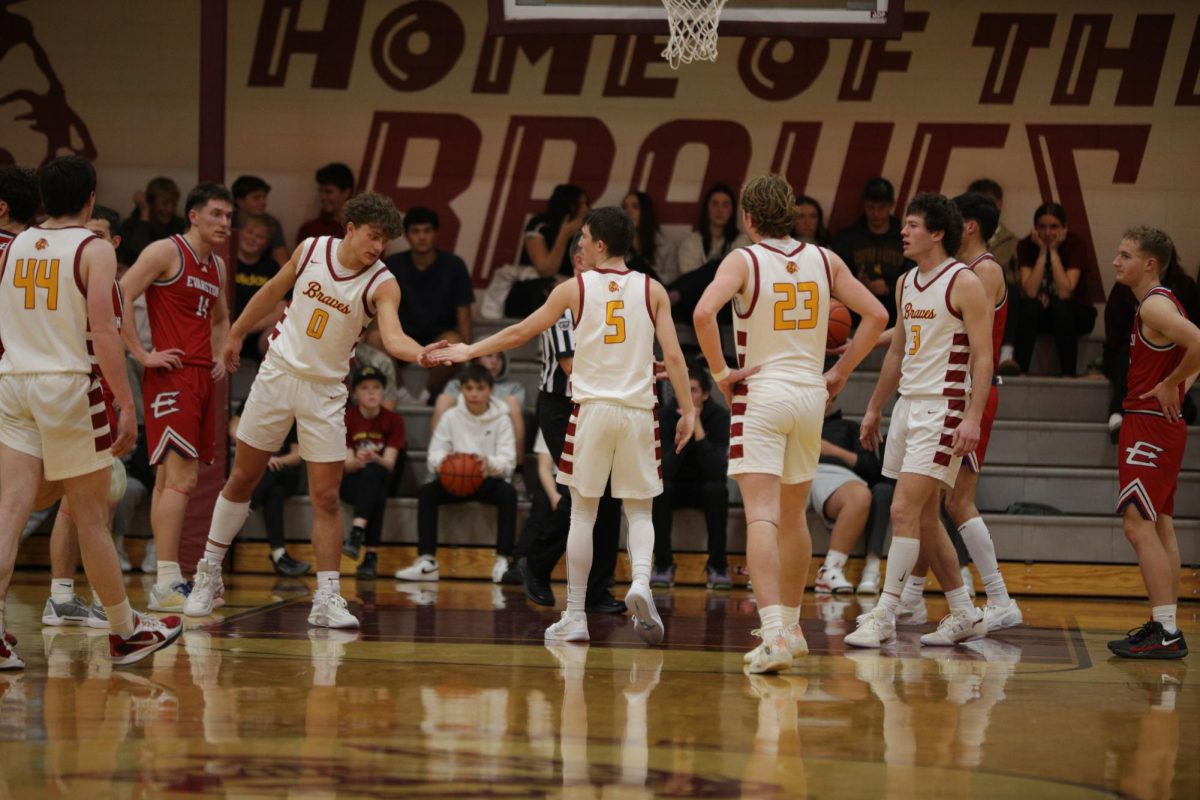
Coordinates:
<point>30,274</point>
<point>617,322</point>
<point>805,294</point>
<point>316,325</point>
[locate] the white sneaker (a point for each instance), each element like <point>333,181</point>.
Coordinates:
<point>571,627</point>
<point>773,655</point>
<point>169,599</point>
<point>1000,617</point>
<point>797,644</point>
<point>869,583</point>
<point>149,636</point>
<point>72,612</point>
<point>968,579</point>
<point>329,611</point>
<point>646,621</point>
<point>957,626</point>
<point>122,556</point>
<point>499,568</point>
<point>831,580</point>
<point>912,614</point>
<point>875,629</point>
<point>150,558</point>
<point>208,591</point>
<point>425,568</point>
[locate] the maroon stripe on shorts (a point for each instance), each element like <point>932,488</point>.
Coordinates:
<point>99,419</point>
<point>95,396</point>
<point>960,358</point>
<point>947,440</point>
<point>735,429</point>
<point>961,339</point>
<point>952,422</point>
<point>950,392</point>
<point>735,451</point>
<point>564,466</point>
<point>741,390</point>
<point>739,408</point>
<point>103,442</point>
<point>955,376</point>
<point>658,453</point>
<point>570,429</point>
<point>568,448</point>
<point>957,405</point>
<point>941,459</point>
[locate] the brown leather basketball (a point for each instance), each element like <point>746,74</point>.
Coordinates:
<point>461,474</point>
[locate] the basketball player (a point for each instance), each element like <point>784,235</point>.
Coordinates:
<point>980,220</point>
<point>339,286</point>
<point>781,290</point>
<point>19,201</point>
<point>183,279</point>
<point>946,317</point>
<point>1164,357</point>
<point>613,431</point>
<point>53,318</point>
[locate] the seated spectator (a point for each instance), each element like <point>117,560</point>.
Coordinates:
<point>375,452</point>
<point>652,253</point>
<point>872,246</point>
<point>250,200</point>
<point>695,478</point>
<point>478,425</point>
<point>546,248</point>
<point>853,497</point>
<point>283,479</point>
<point>1003,247</point>
<point>716,230</point>
<point>335,184</point>
<point>1054,290</point>
<point>810,222</point>
<point>510,392</point>
<point>1118,326</point>
<point>435,290</point>
<point>155,217</point>
<point>255,266</point>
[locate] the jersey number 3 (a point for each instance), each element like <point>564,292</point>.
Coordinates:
<point>33,274</point>
<point>614,320</point>
<point>803,294</point>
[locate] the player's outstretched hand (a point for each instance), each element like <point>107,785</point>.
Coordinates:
<point>218,370</point>
<point>868,431</point>
<point>126,434</point>
<point>446,354</point>
<point>1168,400</point>
<point>171,358</point>
<point>425,359</point>
<point>683,430</point>
<point>966,437</point>
<point>731,381</point>
<point>232,356</point>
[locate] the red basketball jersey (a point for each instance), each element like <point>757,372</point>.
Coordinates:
<point>1001,314</point>
<point>1150,363</point>
<point>180,307</point>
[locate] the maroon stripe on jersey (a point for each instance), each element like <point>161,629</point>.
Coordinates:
<point>660,477</point>
<point>95,395</point>
<point>950,392</point>
<point>649,307</point>
<point>955,376</point>
<point>735,451</point>
<point>367,292</point>
<point>579,314</point>
<point>766,246</point>
<point>738,408</point>
<point>568,448</point>
<point>961,340</point>
<point>658,453</point>
<point>946,440</point>
<point>933,280</point>
<point>828,272</point>
<point>735,429</point>
<point>957,405</point>
<point>754,296</point>
<point>306,257</point>
<point>329,263</point>
<point>570,429</point>
<point>99,419</point>
<point>78,260</point>
<point>741,390</point>
<point>960,358</point>
<point>91,349</point>
<point>742,337</point>
<point>942,459</point>
<point>949,286</point>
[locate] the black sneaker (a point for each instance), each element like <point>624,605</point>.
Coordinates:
<point>602,602</point>
<point>367,569</point>
<point>536,589</point>
<point>1150,641</point>
<point>290,567</point>
<point>353,542</point>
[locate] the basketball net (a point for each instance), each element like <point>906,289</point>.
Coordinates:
<point>693,30</point>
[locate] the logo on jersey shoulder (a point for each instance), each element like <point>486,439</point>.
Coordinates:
<point>41,244</point>
<point>314,291</point>
<point>918,313</point>
<point>1142,454</point>
<point>613,286</point>
<point>792,267</point>
<point>164,404</point>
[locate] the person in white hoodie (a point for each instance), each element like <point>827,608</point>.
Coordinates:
<point>478,424</point>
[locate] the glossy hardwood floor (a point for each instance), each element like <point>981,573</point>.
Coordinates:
<point>448,691</point>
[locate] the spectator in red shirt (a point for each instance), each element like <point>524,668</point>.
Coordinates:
<point>335,184</point>
<point>375,450</point>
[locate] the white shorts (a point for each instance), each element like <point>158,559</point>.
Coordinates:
<point>319,410</point>
<point>777,432</point>
<point>609,439</point>
<point>918,440</point>
<point>59,418</point>
<point>830,478</point>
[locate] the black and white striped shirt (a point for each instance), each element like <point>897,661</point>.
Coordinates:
<point>558,341</point>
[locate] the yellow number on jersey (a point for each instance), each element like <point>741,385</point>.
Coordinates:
<point>31,275</point>
<point>316,325</point>
<point>617,322</point>
<point>806,293</point>
<point>916,342</point>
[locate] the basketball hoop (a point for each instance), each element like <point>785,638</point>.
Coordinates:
<point>693,30</point>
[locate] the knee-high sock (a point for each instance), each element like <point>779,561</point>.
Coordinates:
<point>902,555</point>
<point>227,520</point>
<point>641,537</point>
<point>579,548</point>
<point>978,539</point>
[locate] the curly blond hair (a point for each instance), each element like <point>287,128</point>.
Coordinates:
<point>376,210</point>
<point>771,204</point>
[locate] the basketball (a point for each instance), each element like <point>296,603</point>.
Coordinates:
<point>117,482</point>
<point>839,325</point>
<point>461,474</point>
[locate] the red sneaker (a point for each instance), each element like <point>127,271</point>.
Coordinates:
<point>9,639</point>
<point>8,657</point>
<point>149,635</point>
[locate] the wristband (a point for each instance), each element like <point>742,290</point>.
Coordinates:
<point>722,375</point>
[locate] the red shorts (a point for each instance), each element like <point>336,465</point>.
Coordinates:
<point>179,413</point>
<point>1149,456</point>
<point>974,461</point>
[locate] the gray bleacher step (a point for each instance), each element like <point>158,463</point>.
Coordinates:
<point>1071,490</point>
<point>1070,539</point>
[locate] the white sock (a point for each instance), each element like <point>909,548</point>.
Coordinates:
<point>641,537</point>
<point>1006,352</point>
<point>914,591</point>
<point>277,553</point>
<point>835,560</point>
<point>62,589</point>
<point>227,520</point>
<point>328,581</point>
<point>120,618</point>
<point>902,556</point>
<point>168,574</point>
<point>959,599</point>
<point>771,618</point>
<point>979,544</point>
<point>997,592</point>
<point>1165,616</point>
<point>872,565</point>
<point>791,616</point>
<point>579,548</point>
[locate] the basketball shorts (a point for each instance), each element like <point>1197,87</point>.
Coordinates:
<point>278,398</point>
<point>829,478</point>
<point>776,431</point>
<point>612,440</point>
<point>179,413</point>
<point>59,418</point>
<point>919,438</point>
<point>974,460</point>
<point>1149,456</point>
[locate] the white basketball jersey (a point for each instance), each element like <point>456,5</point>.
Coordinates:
<point>937,353</point>
<point>781,318</point>
<point>614,339</point>
<point>43,308</point>
<point>331,308</point>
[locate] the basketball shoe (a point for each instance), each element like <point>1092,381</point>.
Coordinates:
<point>1150,641</point>
<point>571,627</point>
<point>208,591</point>
<point>149,636</point>
<point>875,628</point>
<point>425,568</point>
<point>962,625</point>
<point>1000,617</point>
<point>499,568</point>
<point>912,613</point>
<point>8,656</point>
<point>773,655</point>
<point>169,598</point>
<point>646,621</point>
<point>72,612</point>
<point>329,611</point>
<point>831,580</point>
<point>797,644</point>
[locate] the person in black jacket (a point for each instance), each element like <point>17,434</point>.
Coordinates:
<point>695,478</point>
